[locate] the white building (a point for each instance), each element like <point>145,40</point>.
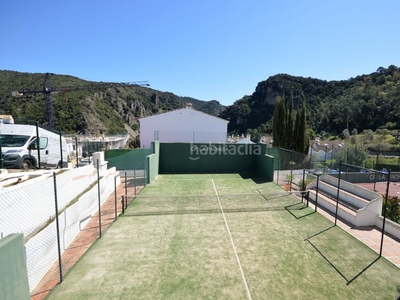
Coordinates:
<point>183,125</point>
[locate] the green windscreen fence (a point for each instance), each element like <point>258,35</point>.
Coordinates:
<point>13,273</point>
<point>186,158</point>
<point>265,163</point>
<point>127,159</point>
<point>212,158</point>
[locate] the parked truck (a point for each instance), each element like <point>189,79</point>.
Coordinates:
<point>20,143</point>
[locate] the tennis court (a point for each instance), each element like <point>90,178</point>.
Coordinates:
<point>226,236</point>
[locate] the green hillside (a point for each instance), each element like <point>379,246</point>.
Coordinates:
<point>88,107</point>
<point>364,102</point>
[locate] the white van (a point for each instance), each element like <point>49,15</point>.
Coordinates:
<point>19,147</point>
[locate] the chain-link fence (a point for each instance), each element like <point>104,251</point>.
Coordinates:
<point>61,213</point>
<point>31,146</point>
<point>350,194</point>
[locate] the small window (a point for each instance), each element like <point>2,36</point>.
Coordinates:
<point>43,141</point>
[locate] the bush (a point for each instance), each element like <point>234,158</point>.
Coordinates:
<point>393,208</point>
<point>303,183</point>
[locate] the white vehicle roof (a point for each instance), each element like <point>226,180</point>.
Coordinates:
<point>17,129</point>
<point>20,129</point>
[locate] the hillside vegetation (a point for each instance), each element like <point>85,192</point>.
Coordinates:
<point>87,107</point>
<point>366,102</point>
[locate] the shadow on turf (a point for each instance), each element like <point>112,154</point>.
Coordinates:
<point>293,208</point>
<point>256,177</point>
<point>200,211</point>
<point>348,281</point>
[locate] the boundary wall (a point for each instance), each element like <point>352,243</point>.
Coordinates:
<point>181,158</point>
<point>33,201</point>
<point>28,208</point>
<point>153,162</point>
<point>265,163</point>
<point>367,216</point>
<point>127,159</point>
<point>42,251</point>
<point>13,275</point>
<point>368,177</point>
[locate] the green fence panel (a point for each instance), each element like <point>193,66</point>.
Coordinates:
<point>265,163</point>
<point>274,152</point>
<point>13,272</point>
<point>127,159</point>
<point>208,158</point>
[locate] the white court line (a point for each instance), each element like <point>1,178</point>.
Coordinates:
<point>233,244</point>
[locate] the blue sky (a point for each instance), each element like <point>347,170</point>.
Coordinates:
<point>205,49</point>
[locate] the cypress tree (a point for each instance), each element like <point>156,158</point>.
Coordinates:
<point>279,121</point>
<point>289,124</point>
<point>305,139</point>
<point>289,133</point>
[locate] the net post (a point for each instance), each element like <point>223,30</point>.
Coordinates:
<point>122,202</point>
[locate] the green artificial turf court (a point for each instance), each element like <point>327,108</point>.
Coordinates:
<point>226,236</point>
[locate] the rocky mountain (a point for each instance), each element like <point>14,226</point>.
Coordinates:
<point>365,102</point>
<point>87,107</point>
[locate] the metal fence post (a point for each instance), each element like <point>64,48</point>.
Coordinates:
<point>303,187</point>
<point>76,152</point>
<point>316,194</point>
<point>1,154</point>
<point>61,151</point>
<point>126,185</point>
<point>38,143</point>
<point>98,195</point>
<point>144,171</point>
<point>115,198</point>
<point>134,179</point>
<point>384,214</point>
<point>58,227</point>
<point>338,192</point>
